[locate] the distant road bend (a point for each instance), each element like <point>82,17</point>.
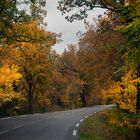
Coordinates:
<point>63,125</point>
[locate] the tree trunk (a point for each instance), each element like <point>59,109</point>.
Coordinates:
<point>138,134</point>
<point>138,104</point>
<point>83,99</point>
<point>30,99</point>
<point>138,98</point>
<point>138,109</point>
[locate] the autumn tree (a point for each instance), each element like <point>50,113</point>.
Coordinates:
<point>25,43</point>
<point>31,54</point>
<point>66,82</point>
<point>100,57</point>
<point>70,69</point>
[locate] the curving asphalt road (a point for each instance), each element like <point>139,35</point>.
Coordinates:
<point>63,125</point>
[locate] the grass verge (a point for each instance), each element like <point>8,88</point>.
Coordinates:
<point>97,127</point>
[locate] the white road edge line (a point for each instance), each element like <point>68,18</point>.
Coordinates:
<point>17,127</point>
<point>81,120</point>
<point>22,115</point>
<point>77,125</point>
<point>74,133</point>
<point>4,132</point>
<point>5,118</point>
<point>23,125</point>
<point>36,114</point>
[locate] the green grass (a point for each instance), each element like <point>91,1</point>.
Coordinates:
<point>96,127</point>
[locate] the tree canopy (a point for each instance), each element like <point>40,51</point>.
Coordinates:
<point>83,6</point>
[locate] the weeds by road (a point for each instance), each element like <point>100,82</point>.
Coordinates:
<point>97,127</point>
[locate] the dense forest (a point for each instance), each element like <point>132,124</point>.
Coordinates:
<point>103,68</point>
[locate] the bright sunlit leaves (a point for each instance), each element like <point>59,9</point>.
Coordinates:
<point>9,75</point>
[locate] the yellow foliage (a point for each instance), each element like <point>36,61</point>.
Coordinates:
<point>32,32</point>
<point>8,75</point>
<point>124,93</point>
<point>122,120</point>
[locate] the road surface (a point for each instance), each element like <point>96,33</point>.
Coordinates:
<point>63,125</point>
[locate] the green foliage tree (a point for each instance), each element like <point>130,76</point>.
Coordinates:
<point>127,11</point>
<point>83,6</point>
<point>16,11</point>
